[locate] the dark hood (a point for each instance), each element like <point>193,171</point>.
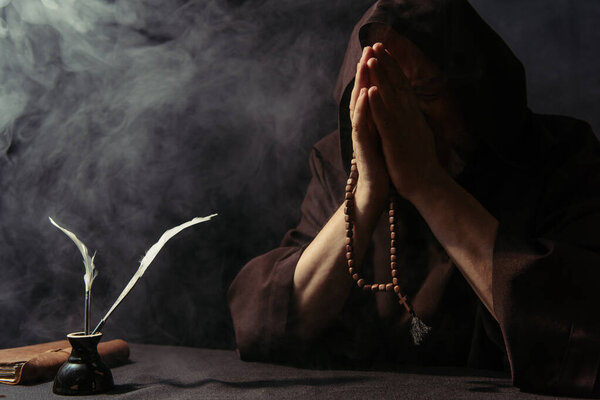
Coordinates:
<point>486,77</point>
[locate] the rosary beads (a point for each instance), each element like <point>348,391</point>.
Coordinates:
<point>418,329</point>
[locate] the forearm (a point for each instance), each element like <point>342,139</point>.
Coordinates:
<point>465,229</point>
<point>321,280</point>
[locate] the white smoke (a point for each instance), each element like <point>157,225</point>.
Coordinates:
<point>124,117</point>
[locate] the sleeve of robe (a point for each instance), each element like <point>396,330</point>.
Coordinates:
<point>546,289</point>
<point>259,297</point>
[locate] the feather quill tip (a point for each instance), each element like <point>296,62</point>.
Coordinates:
<point>88,262</point>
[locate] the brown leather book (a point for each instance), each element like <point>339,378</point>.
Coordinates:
<point>41,361</point>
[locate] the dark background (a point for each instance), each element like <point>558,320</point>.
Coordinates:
<point>121,119</point>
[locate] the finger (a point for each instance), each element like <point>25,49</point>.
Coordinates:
<point>354,94</point>
<point>363,137</point>
<point>380,113</point>
<point>359,122</point>
<point>361,81</point>
<point>365,142</point>
<point>367,53</point>
<point>379,78</point>
<point>361,78</point>
<point>391,66</point>
<point>356,88</point>
<point>401,84</point>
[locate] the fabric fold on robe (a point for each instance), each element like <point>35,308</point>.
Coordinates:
<point>545,284</point>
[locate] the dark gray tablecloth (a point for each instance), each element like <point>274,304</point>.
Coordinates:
<point>166,372</point>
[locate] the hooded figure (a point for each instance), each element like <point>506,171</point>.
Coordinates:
<point>536,176</point>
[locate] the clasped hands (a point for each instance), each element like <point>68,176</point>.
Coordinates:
<point>391,138</point>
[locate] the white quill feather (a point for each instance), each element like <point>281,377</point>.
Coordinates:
<point>88,262</point>
<point>147,260</point>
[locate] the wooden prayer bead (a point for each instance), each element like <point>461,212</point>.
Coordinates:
<point>355,277</point>
<point>389,287</point>
<point>391,220</point>
<point>348,241</point>
<point>393,257</point>
<point>374,287</point>
<point>348,195</point>
<point>392,243</point>
<point>381,287</point>
<point>349,256</point>
<point>366,287</point>
<point>393,250</point>
<point>396,289</point>
<point>348,188</point>
<point>391,213</point>
<point>350,181</point>
<point>392,227</point>
<point>350,262</point>
<point>394,272</point>
<point>351,271</point>
<point>393,235</point>
<point>395,281</point>
<point>360,282</point>
<point>394,265</point>
<point>349,233</point>
<point>347,218</point>
<point>348,247</point>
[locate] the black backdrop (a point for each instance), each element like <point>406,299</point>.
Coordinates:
<point>123,118</point>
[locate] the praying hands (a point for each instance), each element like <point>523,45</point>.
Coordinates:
<point>405,125</point>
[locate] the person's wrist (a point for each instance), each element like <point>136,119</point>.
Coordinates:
<point>371,196</point>
<point>430,188</point>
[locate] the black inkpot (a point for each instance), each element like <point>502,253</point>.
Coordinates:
<point>84,372</point>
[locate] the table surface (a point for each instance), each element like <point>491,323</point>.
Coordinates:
<point>168,372</point>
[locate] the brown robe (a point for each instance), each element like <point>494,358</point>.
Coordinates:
<point>538,175</point>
